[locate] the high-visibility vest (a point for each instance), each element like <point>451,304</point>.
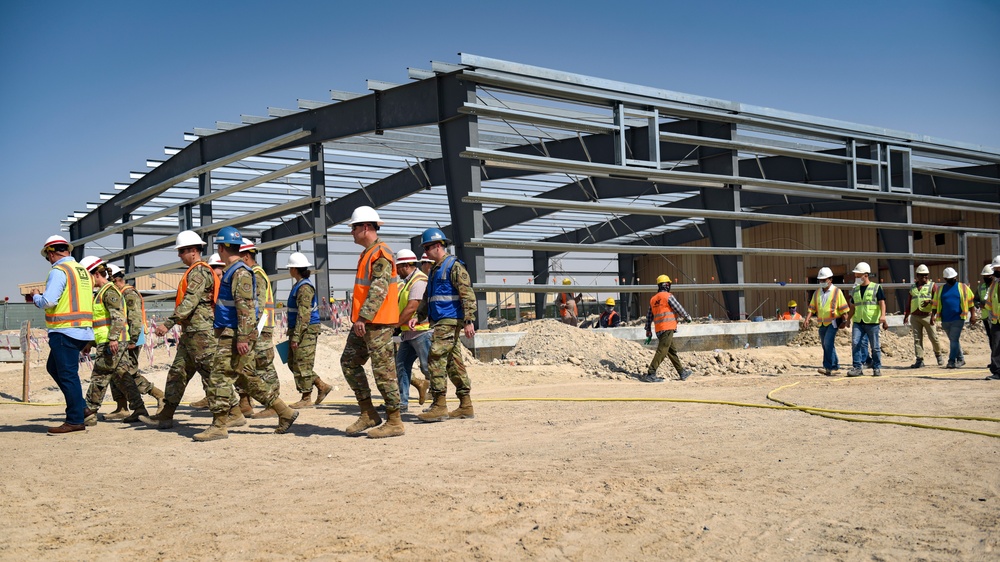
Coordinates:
<point>75,307</point>
<point>835,306</point>
<point>993,302</point>
<point>293,304</point>
<point>867,311</point>
<point>102,317</point>
<point>965,296</point>
<point>920,294</point>
<point>225,306</point>
<point>182,287</point>
<point>388,313</point>
<point>404,297</point>
<point>790,316</point>
<point>663,316</point>
<point>443,300</point>
<point>142,303</point>
<point>570,302</point>
<point>268,304</point>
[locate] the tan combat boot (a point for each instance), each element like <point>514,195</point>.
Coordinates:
<point>158,394</point>
<point>438,410</point>
<point>215,431</point>
<point>322,389</point>
<point>369,418</point>
<point>268,413</point>
<point>134,417</point>
<point>164,419</point>
<point>305,402</point>
<point>423,385</point>
<point>464,410</point>
<point>235,417</point>
<point>200,404</point>
<point>286,415</point>
<point>121,410</point>
<point>393,426</point>
<point>245,406</point>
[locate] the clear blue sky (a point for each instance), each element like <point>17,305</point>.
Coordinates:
<point>90,90</point>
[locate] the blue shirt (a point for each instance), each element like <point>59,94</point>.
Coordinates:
<point>54,287</point>
<point>951,303</point>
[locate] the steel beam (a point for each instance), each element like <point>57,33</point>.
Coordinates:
<point>540,275</point>
<point>897,242</point>
<point>321,248</point>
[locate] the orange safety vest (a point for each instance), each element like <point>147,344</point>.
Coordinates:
<point>75,307</point>
<point>126,289</point>
<point>388,313</point>
<point>663,316</point>
<point>182,287</point>
<point>570,302</point>
<point>789,316</point>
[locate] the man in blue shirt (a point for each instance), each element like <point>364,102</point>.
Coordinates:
<point>953,301</point>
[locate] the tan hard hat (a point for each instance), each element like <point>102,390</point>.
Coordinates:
<point>923,270</point>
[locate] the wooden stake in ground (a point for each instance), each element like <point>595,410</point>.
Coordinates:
<point>26,358</point>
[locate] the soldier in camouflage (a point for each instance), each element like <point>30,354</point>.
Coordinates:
<point>113,360</point>
<point>303,333</point>
<point>374,314</point>
<point>264,349</point>
<point>450,304</point>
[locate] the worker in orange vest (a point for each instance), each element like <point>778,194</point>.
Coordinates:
<point>792,313</point>
<point>662,317</point>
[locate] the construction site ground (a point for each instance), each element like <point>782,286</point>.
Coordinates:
<point>569,457</point>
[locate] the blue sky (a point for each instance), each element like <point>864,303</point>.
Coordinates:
<point>92,89</point>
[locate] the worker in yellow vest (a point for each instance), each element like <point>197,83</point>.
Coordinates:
<point>993,309</point>
<point>68,304</point>
<point>981,292</point>
<point>415,343</point>
<point>920,313</point>
<point>867,314</point>
<point>830,307</point>
<point>953,302</point>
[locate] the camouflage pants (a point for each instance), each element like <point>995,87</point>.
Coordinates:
<point>377,344</point>
<point>142,383</point>
<point>446,357</point>
<point>110,367</point>
<point>665,348</point>
<point>265,362</point>
<point>301,360</point>
<point>229,368</point>
<point>194,354</point>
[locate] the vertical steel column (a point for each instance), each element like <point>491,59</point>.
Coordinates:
<point>896,241</point>
<point>462,176</point>
<point>185,218</point>
<point>540,271</point>
<point>321,246</point>
<point>963,262</point>
<point>629,307</point>
<point>205,209</point>
<point>128,241</point>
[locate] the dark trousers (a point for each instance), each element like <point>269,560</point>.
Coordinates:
<point>995,349</point>
<point>64,367</point>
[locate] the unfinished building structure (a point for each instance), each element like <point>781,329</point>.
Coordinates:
<point>739,204</point>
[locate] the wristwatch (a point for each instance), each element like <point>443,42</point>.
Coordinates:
<point>467,322</point>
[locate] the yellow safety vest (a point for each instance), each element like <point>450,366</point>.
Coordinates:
<point>993,302</point>
<point>75,307</point>
<point>102,318</point>
<point>920,294</point>
<point>836,305</point>
<point>404,297</point>
<point>268,304</point>
<point>868,310</point>
<point>964,295</point>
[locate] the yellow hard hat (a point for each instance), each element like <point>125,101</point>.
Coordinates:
<point>610,302</point>
<point>792,303</point>
<point>567,281</point>
<point>663,279</point>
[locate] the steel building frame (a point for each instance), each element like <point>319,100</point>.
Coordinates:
<point>511,156</point>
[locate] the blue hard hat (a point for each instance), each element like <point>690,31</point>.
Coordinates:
<point>229,235</point>
<point>433,235</point>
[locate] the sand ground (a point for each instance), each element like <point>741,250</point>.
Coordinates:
<point>557,465</point>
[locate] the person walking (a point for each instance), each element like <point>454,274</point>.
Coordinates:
<point>217,266</point>
<point>830,308</point>
<point>264,349</point>
<point>426,264</point>
<point>981,297</point>
<point>374,313</point>
<point>450,304</point>
<point>303,333</point>
<point>920,313</point>
<point>664,309</point>
<point>610,317</point>
<point>993,308</point>
<point>415,343</point>
<point>793,311</point>
<point>952,302</point>
<point>567,304</point>
<point>68,304</point>
<point>867,314</point>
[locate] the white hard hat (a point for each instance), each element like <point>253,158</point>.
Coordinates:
<point>405,256</point>
<point>996,262</point>
<point>247,245</point>
<point>90,263</point>
<point>922,270</point>
<point>987,270</point>
<point>425,259</point>
<point>55,240</point>
<point>950,273</point>
<point>365,214</point>
<point>863,267</point>
<point>115,270</point>
<point>216,260</point>
<point>824,273</point>
<point>298,259</point>
<point>188,238</point>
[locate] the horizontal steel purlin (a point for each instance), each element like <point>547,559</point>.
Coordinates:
<point>674,287</point>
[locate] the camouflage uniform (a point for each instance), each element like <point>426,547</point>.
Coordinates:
<point>446,351</point>
<point>133,307</point>
<point>264,350</point>
<point>376,343</point>
<point>304,335</point>
<point>229,366</point>
<point>108,366</point>
<point>196,315</point>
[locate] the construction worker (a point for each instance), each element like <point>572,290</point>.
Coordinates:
<point>415,343</point>
<point>110,340</point>
<point>830,308</point>
<point>264,349</point>
<point>664,309</point>
<point>981,292</point>
<point>374,313</point>
<point>426,264</point>
<point>135,309</point>
<point>451,306</point>
<point>793,311</point>
<point>867,314</point>
<point>303,333</point>
<point>235,361</point>
<point>993,308</point>
<point>953,302</point>
<point>194,312</point>
<point>920,312</point>
<point>68,304</point>
<point>567,304</point>
<point>610,317</point>
<point>216,265</point>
